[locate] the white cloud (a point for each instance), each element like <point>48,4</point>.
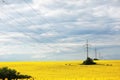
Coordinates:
<point>100,11</point>
<point>12,38</point>
<point>107,11</point>
<point>64,25</point>
<point>114,12</point>
<point>43,27</point>
<point>11,35</point>
<point>49,34</point>
<point>116,28</point>
<point>38,56</point>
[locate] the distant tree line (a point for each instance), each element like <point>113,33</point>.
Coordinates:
<point>11,74</point>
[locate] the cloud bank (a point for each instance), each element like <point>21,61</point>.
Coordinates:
<point>58,30</point>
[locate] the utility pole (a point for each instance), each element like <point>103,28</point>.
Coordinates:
<point>95,53</point>
<point>88,61</point>
<point>99,55</point>
<point>87,48</point>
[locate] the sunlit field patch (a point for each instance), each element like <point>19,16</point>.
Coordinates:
<point>68,70</point>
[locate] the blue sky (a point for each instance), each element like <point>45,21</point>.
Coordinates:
<point>40,30</point>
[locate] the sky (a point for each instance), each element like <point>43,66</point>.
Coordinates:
<point>51,30</point>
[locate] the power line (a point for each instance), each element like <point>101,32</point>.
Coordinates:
<point>29,20</point>
<point>22,16</point>
<point>18,13</point>
<point>18,28</point>
<point>39,14</point>
<point>35,11</point>
<point>36,40</point>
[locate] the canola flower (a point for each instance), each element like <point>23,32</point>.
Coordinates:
<point>68,70</point>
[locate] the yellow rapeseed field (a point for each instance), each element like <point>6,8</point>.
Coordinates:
<point>68,70</point>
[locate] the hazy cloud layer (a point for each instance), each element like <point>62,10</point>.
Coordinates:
<point>57,30</point>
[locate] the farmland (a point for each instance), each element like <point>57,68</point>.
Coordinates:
<point>68,70</point>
